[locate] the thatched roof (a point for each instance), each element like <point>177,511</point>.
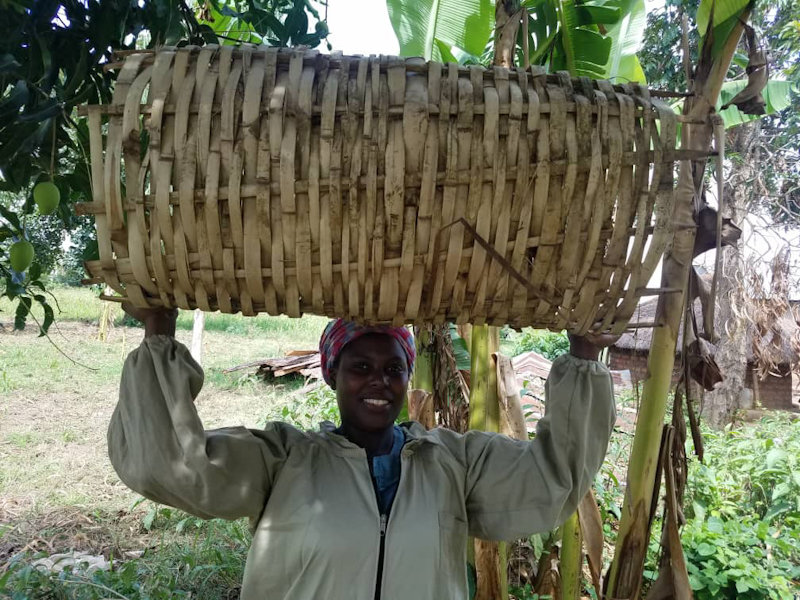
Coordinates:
<point>783,352</point>
<point>638,340</point>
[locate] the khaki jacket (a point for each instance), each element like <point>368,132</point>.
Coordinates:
<point>318,531</point>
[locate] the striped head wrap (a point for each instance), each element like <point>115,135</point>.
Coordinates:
<point>340,332</point>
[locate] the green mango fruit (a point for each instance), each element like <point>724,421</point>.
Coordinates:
<point>47,197</point>
<point>21,255</point>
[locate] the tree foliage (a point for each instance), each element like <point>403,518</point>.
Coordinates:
<point>776,188</point>
<point>54,57</point>
<point>594,38</point>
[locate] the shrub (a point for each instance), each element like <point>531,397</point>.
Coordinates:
<point>549,344</point>
<point>740,559</point>
<point>744,515</point>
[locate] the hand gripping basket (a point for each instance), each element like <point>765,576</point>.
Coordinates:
<point>380,189</point>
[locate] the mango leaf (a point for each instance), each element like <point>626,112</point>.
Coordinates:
<point>49,317</point>
<point>778,95</point>
<point>34,271</point>
<point>419,23</point>
<point>23,308</point>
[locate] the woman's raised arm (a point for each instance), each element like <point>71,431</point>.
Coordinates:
<point>159,448</point>
<point>515,488</point>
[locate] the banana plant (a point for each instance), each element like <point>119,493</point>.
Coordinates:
<point>724,21</point>
<point>572,35</point>
<point>595,38</point>
<point>435,29</point>
<point>627,35</point>
<point>777,95</point>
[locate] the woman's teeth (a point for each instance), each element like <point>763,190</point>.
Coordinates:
<point>376,402</point>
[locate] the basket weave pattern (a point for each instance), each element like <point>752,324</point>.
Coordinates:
<point>379,188</point>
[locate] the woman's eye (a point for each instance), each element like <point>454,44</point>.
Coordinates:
<point>397,370</point>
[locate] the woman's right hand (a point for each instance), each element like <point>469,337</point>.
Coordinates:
<point>157,321</point>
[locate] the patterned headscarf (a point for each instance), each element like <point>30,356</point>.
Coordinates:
<point>339,333</point>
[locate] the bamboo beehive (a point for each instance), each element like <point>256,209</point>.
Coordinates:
<point>379,189</point>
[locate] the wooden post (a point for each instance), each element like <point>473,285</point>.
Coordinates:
<point>197,335</point>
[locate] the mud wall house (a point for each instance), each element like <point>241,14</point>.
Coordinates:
<point>776,387</point>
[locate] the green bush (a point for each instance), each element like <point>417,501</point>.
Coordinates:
<point>741,559</point>
<point>309,409</point>
<point>549,344</point>
<point>743,509</point>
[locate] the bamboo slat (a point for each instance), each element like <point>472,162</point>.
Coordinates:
<point>380,189</point>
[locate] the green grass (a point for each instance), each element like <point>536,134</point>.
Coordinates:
<point>204,564</point>
<point>56,361</point>
<point>83,304</point>
<point>307,329</point>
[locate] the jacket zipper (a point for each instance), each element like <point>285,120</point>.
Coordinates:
<point>384,523</point>
<point>381,550</point>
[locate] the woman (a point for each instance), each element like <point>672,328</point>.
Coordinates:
<point>368,510</point>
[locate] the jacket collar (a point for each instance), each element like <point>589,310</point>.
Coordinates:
<point>416,435</point>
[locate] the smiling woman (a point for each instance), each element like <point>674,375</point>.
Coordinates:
<point>371,510</point>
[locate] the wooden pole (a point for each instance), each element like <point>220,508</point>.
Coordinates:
<point>197,335</point>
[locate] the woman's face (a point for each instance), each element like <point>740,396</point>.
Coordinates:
<point>370,379</point>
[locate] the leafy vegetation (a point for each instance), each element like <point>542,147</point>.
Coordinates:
<point>549,344</point>
<point>206,563</point>
<point>743,506</point>
<point>596,39</point>
<point>53,58</point>
<point>435,29</point>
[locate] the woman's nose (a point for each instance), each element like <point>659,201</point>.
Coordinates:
<point>379,379</point>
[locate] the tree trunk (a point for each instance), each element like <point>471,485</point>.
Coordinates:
<point>484,414</point>
<point>571,559</point>
<point>625,573</point>
<point>420,408</point>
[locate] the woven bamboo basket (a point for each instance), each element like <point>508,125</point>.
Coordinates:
<point>379,189</point>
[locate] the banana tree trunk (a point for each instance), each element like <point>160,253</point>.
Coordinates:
<point>571,558</point>
<point>484,403</point>
<point>423,366</point>
<point>484,414</point>
<point>625,573</point>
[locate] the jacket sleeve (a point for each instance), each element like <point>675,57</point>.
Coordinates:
<point>159,448</point>
<point>515,488</point>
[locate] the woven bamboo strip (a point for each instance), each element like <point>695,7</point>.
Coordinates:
<point>379,189</point>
